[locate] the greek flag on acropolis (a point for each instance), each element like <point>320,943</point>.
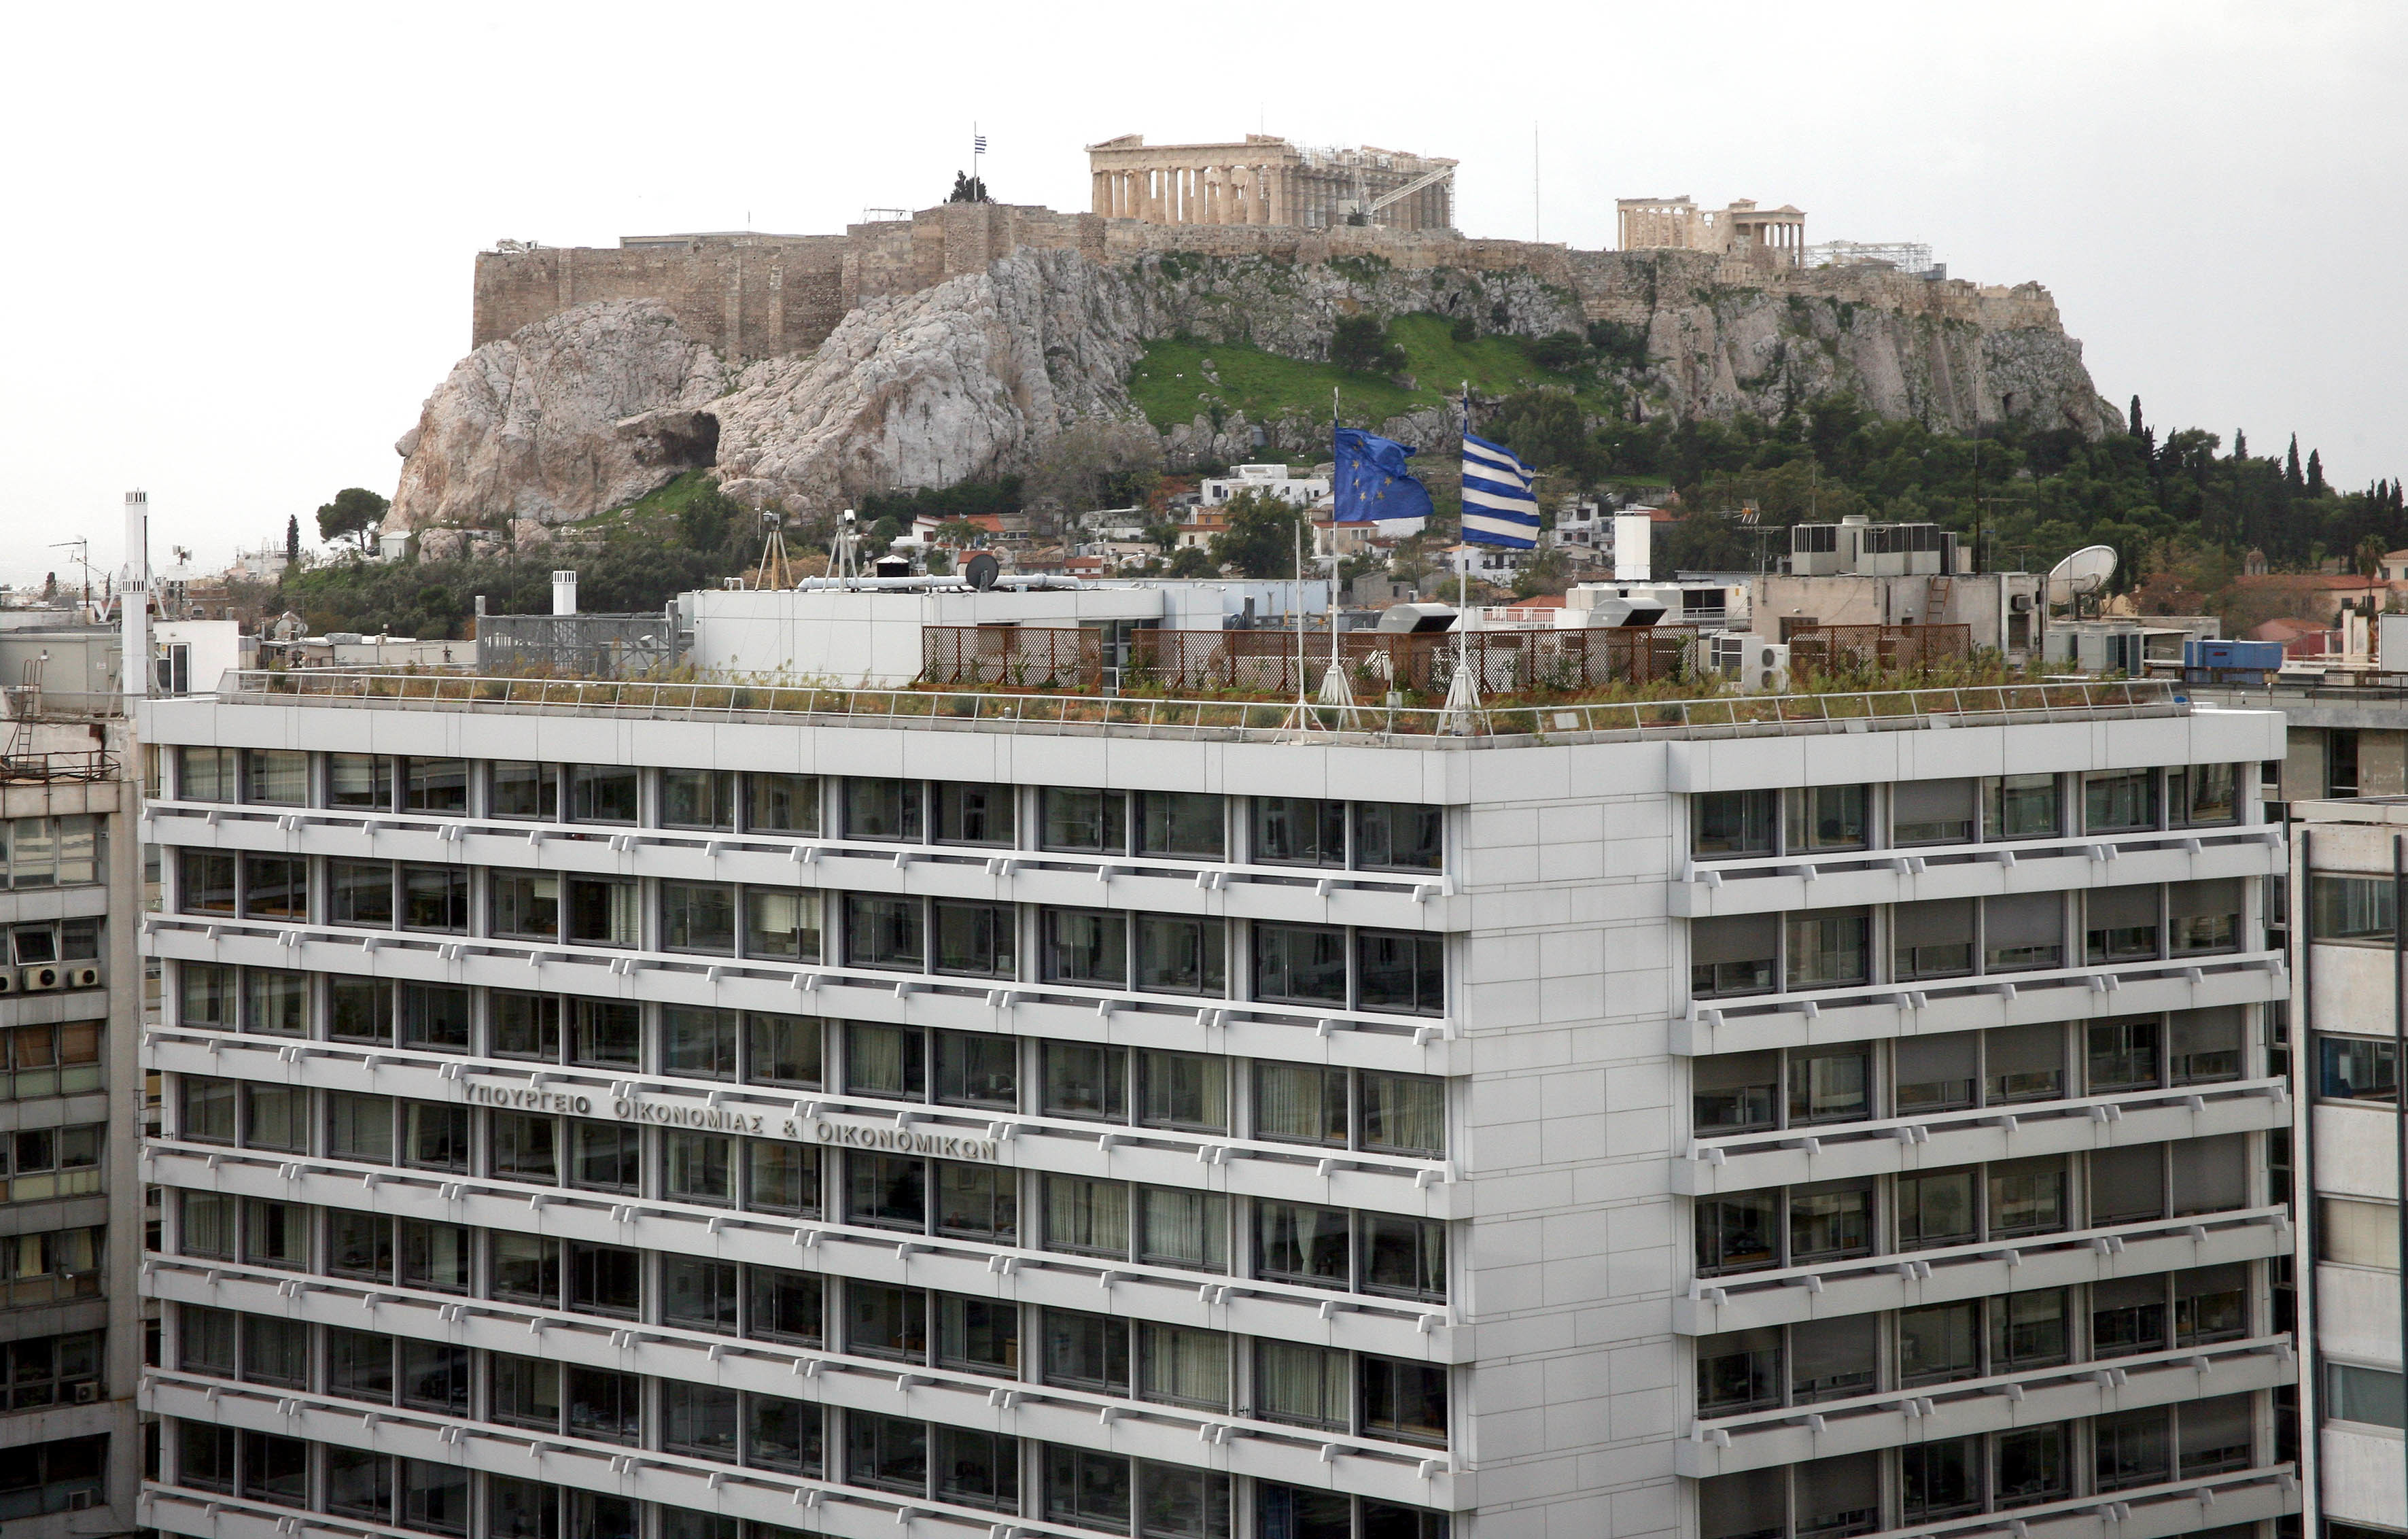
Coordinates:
<point>1498,506</point>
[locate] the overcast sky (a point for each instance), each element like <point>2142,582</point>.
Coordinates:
<point>239,239</point>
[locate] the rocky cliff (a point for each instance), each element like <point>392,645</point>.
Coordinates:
<point>598,404</point>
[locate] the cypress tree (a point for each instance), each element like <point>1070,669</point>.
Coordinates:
<point>2240,444</point>
<point>2135,423</point>
<point>292,539</point>
<point>2291,466</point>
<point>2315,473</point>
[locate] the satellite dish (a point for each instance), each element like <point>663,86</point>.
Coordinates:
<point>980,570</point>
<point>2086,571</point>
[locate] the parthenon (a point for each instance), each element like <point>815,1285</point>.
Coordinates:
<point>1770,237</point>
<point>1264,179</point>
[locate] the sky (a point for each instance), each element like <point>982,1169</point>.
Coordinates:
<point>239,237</point>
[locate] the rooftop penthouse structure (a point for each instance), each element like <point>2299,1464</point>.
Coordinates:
<point>655,1111</point>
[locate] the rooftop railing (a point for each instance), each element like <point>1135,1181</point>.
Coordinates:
<point>1497,725</point>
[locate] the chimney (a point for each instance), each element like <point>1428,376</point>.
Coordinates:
<point>134,604</point>
<point>564,593</point>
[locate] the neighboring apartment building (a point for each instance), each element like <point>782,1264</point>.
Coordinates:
<point>71,1200</point>
<point>2347,858</point>
<point>641,1119</point>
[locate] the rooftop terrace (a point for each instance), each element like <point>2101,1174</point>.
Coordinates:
<point>1702,716</point>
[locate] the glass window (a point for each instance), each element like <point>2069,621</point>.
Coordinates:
<point>978,1336</point>
<point>1182,1366</point>
<point>362,781</point>
<point>1932,940</point>
<point>1937,1073</point>
<point>1182,825</point>
<point>1734,1092</point>
<point>276,1004</point>
<point>782,1178</point>
<point>1934,812</point>
<point>2020,807</point>
<point>1936,1208</point>
<point>1828,948</point>
<point>1301,1243</point>
<point>434,1016</point>
<point>2116,801</point>
<point>605,1034</point>
<point>1084,822</point>
<point>1939,1480</point>
<point>2357,1234</point>
<point>435,786</point>
<point>275,1117</point>
<point>698,916</point>
<point>886,1191</point>
<point>698,799</point>
<point>886,1060</point>
<point>977,1202</point>
<point>1833,1359</point>
<point>1300,1103</point>
<point>276,777</point>
<point>1738,1370</point>
<point>204,881</point>
<point>526,1148</point>
<point>700,1295</point>
<point>2121,924</point>
<point>1086,946</point>
<point>2211,1305</point>
<point>782,924</point>
<point>2350,908</point>
<point>699,1044</point>
<point>526,1026</point>
<point>1731,824</point>
<point>524,905</point>
<point>1734,954</point>
<point>435,1136</point>
<point>697,1168</point>
<point>518,788</point>
<point>2132,1448</point>
<point>360,892</point>
<point>526,1392</point>
<point>2128,1185</point>
<point>2209,1174</point>
<point>1303,963</point>
<point>1402,1113</point>
<point>881,809</point>
<point>1404,1256</point>
<point>782,1050</point>
<point>1399,836</point>
<point>2022,931</point>
<point>974,940</point>
<point>1088,1490</point>
<point>1401,970</point>
<point>1302,1385</point>
<point>1828,817</point>
<point>884,932</point>
<point>1085,1216</point>
<point>434,898</point>
<point>782,1306</point>
<point>2029,1331</point>
<point>782,804</point>
<point>2203,916</point>
<point>977,1070</point>
<point>2030,1465</point>
<point>205,774</point>
<point>1405,1400</point>
<point>1831,1221</point>
<point>2024,1063</point>
<point>978,1469</point>
<point>1179,1228</point>
<point>1300,832</point>
<point>972,812</point>
<point>207,1109</point>
<point>2123,1055</point>
<point>1175,1501</point>
<point>886,1453</point>
<point>524,1267</point>
<point>1835,1086</point>
<point>359,1364</point>
<point>1176,954</point>
<point>2027,1196</point>
<point>605,1405</point>
<point>359,1128</point>
<point>2206,1045</point>
<point>2370,1396</point>
<point>604,793</point>
<point>1187,1090</point>
<point>358,1245</point>
<point>2205,795</point>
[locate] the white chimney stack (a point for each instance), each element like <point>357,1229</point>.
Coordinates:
<point>133,603</point>
<point>564,593</point>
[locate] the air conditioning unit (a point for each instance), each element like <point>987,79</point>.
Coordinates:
<point>83,975</point>
<point>85,1394</point>
<point>1765,669</point>
<point>7,980</point>
<point>1727,650</point>
<point>37,980</point>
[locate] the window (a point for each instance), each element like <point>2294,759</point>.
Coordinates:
<point>1399,836</point>
<point>1177,955</point>
<point>1939,1343</point>
<point>1085,1216</point>
<point>204,881</point>
<point>1829,1087</point>
<point>434,1016</point>
<point>2368,1395</point>
<point>1300,832</point>
<point>1932,940</point>
<point>2116,801</point>
<point>1828,948</point>
<point>2341,762</point>
<point>2123,1055</point>
<point>1307,963</point>
<point>974,940</point>
<point>2128,1185</point>
<point>274,1004</point>
<point>1730,825</point>
<point>782,1050</point>
<point>435,786</point>
<point>2030,1465</point>
<point>362,781</point>
<point>517,788</point>
<point>605,1034</point>
<point>782,924</point>
<point>2132,1448</point>
<point>359,1128</point>
<point>360,892</point>
<point>1934,812</point>
<point>2355,1069</point>
<point>2023,931</point>
<point>2029,1331</point>
<point>2211,1305</point>
<point>1826,818</point>
<point>784,1306</point>
<point>1937,1208</point>
<point>1400,1113</point>
<point>2205,795</point>
<point>434,898</point>
<point>1739,953</point>
<point>2206,1045</point>
<point>2121,924</point>
<point>48,1370</point>
<point>1085,946</point>
<point>886,1453</point>
<point>884,932</point>
<point>1300,1243</point>
<point>2357,1234</point>
<point>1404,1400</point>
<point>2350,908</point>
<point>1939,1480</point>
<point>970,813</point>
<point>604,793</point>
<point>435,1136</point>
<point>207,1113</point>
<point>1302,1385</point>
<point>1737,1233</point>
<point>698,799</point>
<point>698,916</point>
<point>524,905</point>
<point>881,809</point>
<point>1937,1073</point>
<point>1401,970</point>
<point>1182,825</point>
<point>205,774</point>
<point>781,804</point>
<point>603,912</point>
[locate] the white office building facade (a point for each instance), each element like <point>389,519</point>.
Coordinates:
<point>687,1124</point>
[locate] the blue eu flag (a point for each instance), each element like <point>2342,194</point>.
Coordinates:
<point>1372,483</point>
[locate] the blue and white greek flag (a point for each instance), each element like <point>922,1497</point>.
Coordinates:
<point>978,144</point>
<point>1498,506</point>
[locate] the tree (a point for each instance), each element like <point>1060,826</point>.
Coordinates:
<point>2367,557</point>
<point>2315,473</point>
<point>2240,444</point>
<point>1190,561</point>
<point>355,511</point>
<point>1546,428</point>
<point>2134,427</point>
<point>1560,351</point>
<point>1097,463</point>
<point>1261,538</point>
<point>968,189</point>
<point>1360,342</point>
<point>292,540</point>
<point>2291,476</point>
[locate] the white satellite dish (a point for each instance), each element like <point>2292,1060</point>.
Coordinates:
<point>2086,571</point>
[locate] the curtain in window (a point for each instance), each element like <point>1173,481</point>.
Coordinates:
<point>1405,1114</point>
<point>1307,1386</point>
<point>1183,1367</point>
<point>1091,1217</point>
<point>1302,1102</point>
<point>1186,1228</point>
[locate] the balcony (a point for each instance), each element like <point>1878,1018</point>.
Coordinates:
<point>1901,1280</point>
<point>1114,1423</point>
<point>2000,1403</point>
<point>1353,1039</point>
<point>1813,1018</point>
<point>1215,1302</point>
<point>2242,1497</point>
<point>765,1495</point>
<point>1839,879</point>
<point>1381,899</point>
<point>1932,1140</point>
<point>1156,1156</point>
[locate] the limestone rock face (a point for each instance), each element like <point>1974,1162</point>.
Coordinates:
<point>570,416</point>
<point>967,378</point>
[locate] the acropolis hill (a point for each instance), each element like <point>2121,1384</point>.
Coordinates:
<point>809,370</point>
